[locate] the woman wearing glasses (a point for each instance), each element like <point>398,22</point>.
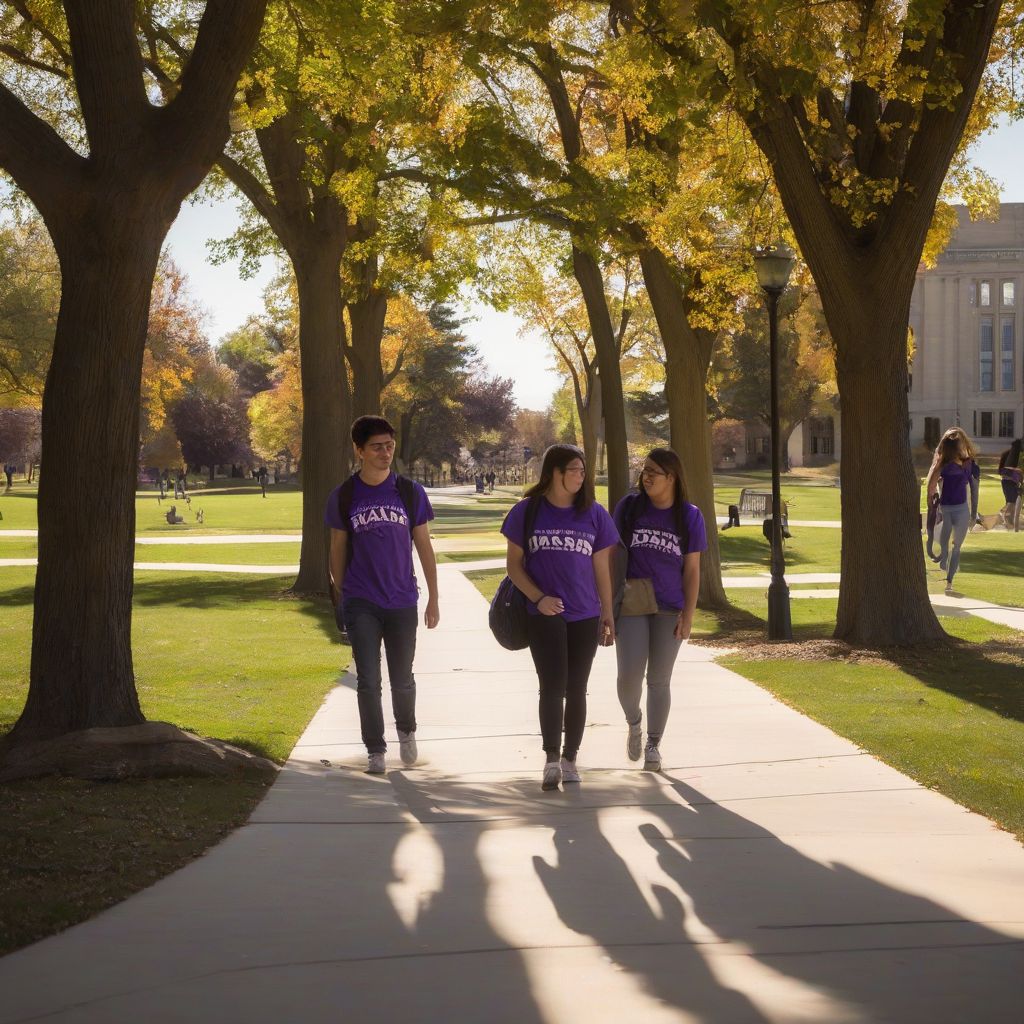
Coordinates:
<point>664,535</point>
<point>560,543</point>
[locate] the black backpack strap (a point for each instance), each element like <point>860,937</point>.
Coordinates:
<point>407,492</point>
<point>529,521</point>
<point>629,514</point>
<point>345,494</point>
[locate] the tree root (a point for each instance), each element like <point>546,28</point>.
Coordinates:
<point>147,751</point>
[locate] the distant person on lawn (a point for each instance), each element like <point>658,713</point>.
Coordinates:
<point>375,518</point>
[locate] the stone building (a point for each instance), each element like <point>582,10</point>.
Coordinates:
<point>966,314</point>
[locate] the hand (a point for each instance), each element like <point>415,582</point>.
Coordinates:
<point>431,617</point>
<point>550,605</point>
<point>684,626</point>
<point>607,635</point>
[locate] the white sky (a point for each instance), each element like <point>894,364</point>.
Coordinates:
<point>229,299</point>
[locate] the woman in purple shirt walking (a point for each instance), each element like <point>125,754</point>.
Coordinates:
<point>562,564</point>
<point>953,482</point>
<point>664,535</point>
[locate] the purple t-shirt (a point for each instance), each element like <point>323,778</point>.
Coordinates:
<point>560,558</point>
<point>380,567</point>
<point>654,552</point>
<point>955,480</point>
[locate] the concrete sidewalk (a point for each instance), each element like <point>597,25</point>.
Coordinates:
<point>772,873</point>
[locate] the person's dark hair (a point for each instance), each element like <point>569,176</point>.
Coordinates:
<point>1013,455</point>
<point>949,449</point>
<point>369,426</point>
<point>558,456</point>
<point>669,462</point>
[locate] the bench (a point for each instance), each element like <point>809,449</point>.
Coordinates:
<point>755,503</point>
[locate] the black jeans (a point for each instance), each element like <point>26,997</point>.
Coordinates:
<point>563,653</point>
<point>368,624</point>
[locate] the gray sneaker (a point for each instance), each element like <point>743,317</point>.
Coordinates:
<point>635,740</point>
<point>552,775</point>
<point>652,758</point>
<point>569,771</point>
<point>376,764</point>
<point>407,747</point>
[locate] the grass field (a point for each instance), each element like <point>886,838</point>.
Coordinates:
<point>237,660</point>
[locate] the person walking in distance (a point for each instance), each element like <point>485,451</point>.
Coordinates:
<point>1010,477</point>
<point>376,517</point>
<point>952,481</point>
<point>933,515</point>
<point>560,543</point>
<point>663,535</point>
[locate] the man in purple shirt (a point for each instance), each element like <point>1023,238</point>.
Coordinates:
<point>375,518</point>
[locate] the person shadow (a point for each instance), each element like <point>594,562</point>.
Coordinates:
<point>855,947</point>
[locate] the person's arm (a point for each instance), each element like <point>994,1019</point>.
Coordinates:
<point>974,495</point>
<point>691,586</point>
<point>932,480</point>
<point>603,577</point>
<point>515,566</point>
<point>421,538</point>
<point>338,560</point>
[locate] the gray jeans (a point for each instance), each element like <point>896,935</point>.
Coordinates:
<point>955,520</point>
<point>646,643</point>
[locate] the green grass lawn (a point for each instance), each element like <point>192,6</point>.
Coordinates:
<point>238,660</point>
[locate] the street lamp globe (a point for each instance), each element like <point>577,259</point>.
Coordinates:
<point>774,263</point>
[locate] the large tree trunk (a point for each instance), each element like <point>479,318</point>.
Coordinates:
<point>81,674</point>
<point>589,412</point>
<point>366,316</point>
<point>325,405</point>
<point>687,358</point>
<point>591,282</point>
<point>883,597</point>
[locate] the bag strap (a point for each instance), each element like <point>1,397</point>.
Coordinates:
<point>529,522</point>
<point>407,492</point>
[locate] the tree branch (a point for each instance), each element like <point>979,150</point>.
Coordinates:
<point>252,188</point>
<point>26,61</point>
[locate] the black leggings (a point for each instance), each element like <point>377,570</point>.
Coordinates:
<point>563,653</point>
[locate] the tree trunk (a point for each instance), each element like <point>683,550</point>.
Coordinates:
<point>687,358</point>
<point>588,275</point>
<point>81,675</point>
<point>325,405</point>
<point>589,412</point>
<point>883,596</point>
<point>366,316</point>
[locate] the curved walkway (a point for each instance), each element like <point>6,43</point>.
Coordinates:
<point>773,873</point>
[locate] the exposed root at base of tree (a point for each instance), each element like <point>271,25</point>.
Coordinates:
<point>149,750</point>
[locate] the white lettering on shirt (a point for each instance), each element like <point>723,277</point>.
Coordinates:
<point>657,540</point>
<point>571,541</point>
<point>369,516</point>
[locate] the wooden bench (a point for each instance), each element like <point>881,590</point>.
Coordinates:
<point>755,503</point>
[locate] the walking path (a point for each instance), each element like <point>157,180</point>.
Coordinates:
<point>773,873</point>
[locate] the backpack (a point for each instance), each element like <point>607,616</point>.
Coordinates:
<point>508,614</point>
<point>634,506</point>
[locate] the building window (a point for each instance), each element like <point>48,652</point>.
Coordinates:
<point>986,425</point>
<point>984,293</point>
<point>985,382</point>
<point>932,430</point>
<point>1006,424</point>
<point>1006,347</point>
<point>1008,293</point>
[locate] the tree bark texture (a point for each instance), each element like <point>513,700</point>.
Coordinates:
<point>366,318</point>
<point>687,359</point>
<point>108,215</point>
<point>588,276</point>
<point>326,446</point>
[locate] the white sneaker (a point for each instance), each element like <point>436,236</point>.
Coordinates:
<point>407,747</point>
<point>635,740</point>
<point>569,771</point>
<point>552,775</point>
<point>652,758</point>
<point>376,765</point>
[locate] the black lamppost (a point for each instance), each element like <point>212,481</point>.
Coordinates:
<point>774,263</point>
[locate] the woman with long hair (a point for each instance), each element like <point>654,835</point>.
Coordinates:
<point>664,535</point>
<point>967,453</point>
<point>952,482</point>
<point>560,543</point>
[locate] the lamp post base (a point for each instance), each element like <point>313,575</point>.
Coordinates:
<point>780,627</point>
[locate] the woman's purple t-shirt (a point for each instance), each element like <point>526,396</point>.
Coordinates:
<point>955,480</point>
<point>560,559</point>
<point>380,567</point>
<point>654,552</point>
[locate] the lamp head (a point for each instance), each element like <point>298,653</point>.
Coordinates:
<point>774,264</point>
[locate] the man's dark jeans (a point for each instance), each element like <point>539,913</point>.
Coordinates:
<point>368,624</point>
